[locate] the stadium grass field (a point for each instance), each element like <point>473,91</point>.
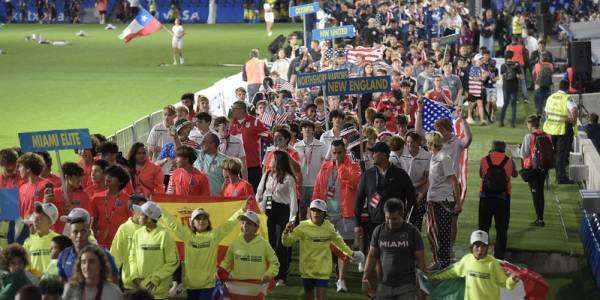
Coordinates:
<point>100,83</point>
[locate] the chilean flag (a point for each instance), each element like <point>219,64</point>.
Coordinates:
<point>143,24</point>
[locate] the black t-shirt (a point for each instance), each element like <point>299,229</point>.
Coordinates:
<point>397,253</point>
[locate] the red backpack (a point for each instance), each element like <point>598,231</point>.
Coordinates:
<point>542,153</point>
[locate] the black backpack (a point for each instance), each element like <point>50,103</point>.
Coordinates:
<point>495,180</point>
<point>510,72</point>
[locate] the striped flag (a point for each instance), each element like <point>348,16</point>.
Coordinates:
<point>463,158</point>
<point>284,85</point>
<point>144,24</point>
<point>368,54</point>
<point>432,111</point>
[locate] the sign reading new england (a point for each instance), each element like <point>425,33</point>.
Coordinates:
<point>305,9</point>
<point>305,80</point>
<point>55,140</point>
<point>333,33</point>
<point>358,85</point>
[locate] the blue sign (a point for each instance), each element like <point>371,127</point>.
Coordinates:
<point>305,9</point>
<point>358,85</point>
<point>55,140</point>
<point>333,33</point>
<point>305,80</point>
<point>9,210</point>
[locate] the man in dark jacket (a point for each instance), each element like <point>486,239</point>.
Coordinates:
<point>378,184</point>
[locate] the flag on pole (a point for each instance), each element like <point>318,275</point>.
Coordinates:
<point>144,24</point>
<point>463,158</point>
<point>433,110</point>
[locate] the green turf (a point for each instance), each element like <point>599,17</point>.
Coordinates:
<point>102,84</point>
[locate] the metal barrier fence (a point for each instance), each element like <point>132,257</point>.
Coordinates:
<point>136,132</point>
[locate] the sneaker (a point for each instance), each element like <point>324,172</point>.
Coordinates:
<point>270,33</point>
<point>341,286</point>
<point>470,120</point>
<point>525,100</point>
<point>181,60</point>
<point>492,118</point>
<point>281,283</point>
<point>173,290</point>
<point>538,223</point>
<point>361,267</point>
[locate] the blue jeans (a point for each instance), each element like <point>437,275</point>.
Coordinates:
<point>488,43</point>
<point>541,95</point>
<point>523,85</point>
<point>201,294</point>
<point>510,98</point>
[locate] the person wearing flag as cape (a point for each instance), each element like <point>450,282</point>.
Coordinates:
<point>201,242</point>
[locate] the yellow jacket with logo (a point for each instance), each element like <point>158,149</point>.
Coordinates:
<point>200,264</point>
<point>315,252</point>
<point>153,258</point>
<point>250,260</point>
<point>38,248</point>
<point>557,113</point>
<point>120,248</point>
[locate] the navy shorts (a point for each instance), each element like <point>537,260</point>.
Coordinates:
<point>312,283</point>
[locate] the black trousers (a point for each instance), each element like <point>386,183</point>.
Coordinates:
<point>562,147</point>
<point>499,209</point>
<point>536,186</point>
<point>277,218</point>
<point>254,176</point>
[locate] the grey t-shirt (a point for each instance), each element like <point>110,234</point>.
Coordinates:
<point>397,253</point>
<point>109,292</point>
<point>440,187</point>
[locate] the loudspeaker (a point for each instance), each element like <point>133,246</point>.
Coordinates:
<point>580,57</point>
<point>276,44</point>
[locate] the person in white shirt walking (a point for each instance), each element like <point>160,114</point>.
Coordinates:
<point>269,18</point>
<point>177,42</point>
<point>312,153</point>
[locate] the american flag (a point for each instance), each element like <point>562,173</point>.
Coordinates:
<point>271,118</point>
<point>332,53</point>
<point>368,54</point>
<point>284,85</point>
<point>432,111</point>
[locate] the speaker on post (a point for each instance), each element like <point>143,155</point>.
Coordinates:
<point>580,59</point>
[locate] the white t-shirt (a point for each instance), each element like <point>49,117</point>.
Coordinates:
<point>267,7</point>
<point>415,166</point>
<point>232,147</point>
<point>311,159</point>
<point>177,32</point>
<point>440,187</point>
<point>159,136</point>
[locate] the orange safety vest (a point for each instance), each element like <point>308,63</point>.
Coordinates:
<point>349,177</point>
<point>517,53</point>
<point>255,71</point>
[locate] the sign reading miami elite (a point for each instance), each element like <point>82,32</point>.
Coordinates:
<point>333,33</point>
<point>55,140</point>
<point>305,9</point>
<point>306,80</point>
<point>359,85</point>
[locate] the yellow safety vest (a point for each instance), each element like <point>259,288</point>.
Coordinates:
<point>557,113</point>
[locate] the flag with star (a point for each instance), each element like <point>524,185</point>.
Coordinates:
<point>432,111</point>
<point>144,24</point>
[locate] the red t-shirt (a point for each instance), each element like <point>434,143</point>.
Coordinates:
<point>442,96</point>
<point>11,182</point>
<point>290,151</point>
<point>87,173</point>
<point>185,184</point>
<point>240,189</point>
<point>109,212</point>
<point>78,198</point>
<point>93,189</point>
<point>249,128</point>
<point>54,179</point>
<point>149,180</point>
<point>31,192</point>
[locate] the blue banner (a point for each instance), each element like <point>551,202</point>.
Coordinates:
<point>9,210</point>
<point>55,140</point>
<point>359,85</point>
<point>305,80</point>
<point>305,9</point>
<point>190,11</point>
<point>333,33</point>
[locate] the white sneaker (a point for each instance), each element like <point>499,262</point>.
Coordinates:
<point>174,62</point>
<point>281,283</point>
<point>181,60</point>
<point>470,121</point>
<point>341,286</point>
<point>270,33</point>
<point>173,290</point>
<point>361,267</point>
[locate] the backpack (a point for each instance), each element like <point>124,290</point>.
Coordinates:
<point>542,156</point>
<point>544,78</point>
<point>510,72</point>
<point>495,180</point>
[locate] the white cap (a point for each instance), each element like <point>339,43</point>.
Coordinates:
<point>149,209</point>
<point>77,215</point>
<point>478,57</point>
<point>479,236</point>
<point>197,212</point>
<point>319,204</point>
<point>47,209</point>
<point>252,216</point>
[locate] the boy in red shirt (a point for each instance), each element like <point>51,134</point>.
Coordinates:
<point>30,167</point>
<point>234,185</point>
<point>46,172</point>
<point>9,179</point>
<point>97,178</point>
<point>109,208</point>
<point>76,197</point>
<point>187,180</point>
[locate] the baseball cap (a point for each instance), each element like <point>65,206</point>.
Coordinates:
<point>479,236</point>
<point>319,204</point>
<point>149,209</point>
<point>76,215</point>
<point>478,57</point>
<point>252,216</point>
<point>181,123</point>
<point>197,212</point>
<point>381,147</point>
<point>47,209</point>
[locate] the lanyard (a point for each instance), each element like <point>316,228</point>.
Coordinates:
<point>308,157</point>
<point>274,186</point>
<point>108,216</point>
<point>212,163</point>
<point>190,182</point>
<point>334,175</point>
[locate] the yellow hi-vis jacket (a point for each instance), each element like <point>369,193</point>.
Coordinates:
<point>120,248</point>
<point>38,248</point>
<point>250,260</point>
<point>200,264</point>
<point>557,113</point>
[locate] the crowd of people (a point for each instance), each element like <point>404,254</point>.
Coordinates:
<point>356,173</point>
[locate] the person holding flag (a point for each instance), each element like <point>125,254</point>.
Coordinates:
<point>201,244</point>
<point>316,235</point>
<point>142,25</point>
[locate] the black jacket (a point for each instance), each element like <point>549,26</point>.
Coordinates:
<point>396,184</point>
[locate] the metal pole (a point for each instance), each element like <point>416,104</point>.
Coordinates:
<point>62,175</point>
<point>325,104</point>
<point>305,37</point>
